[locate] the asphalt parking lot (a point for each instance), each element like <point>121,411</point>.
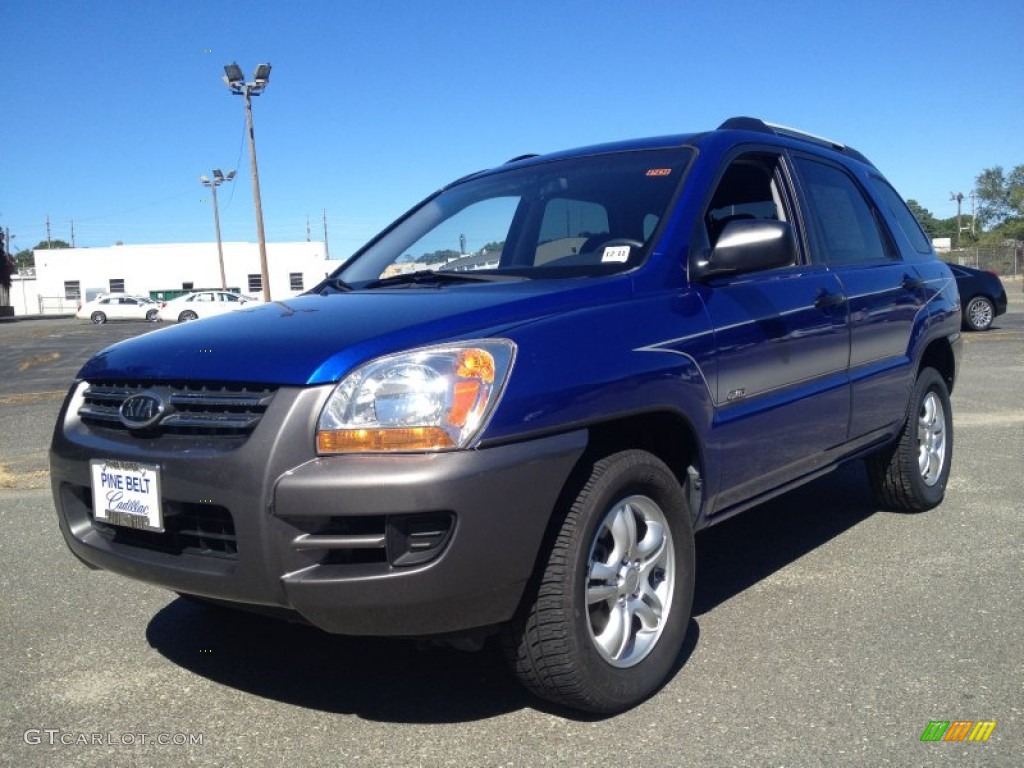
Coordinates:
<point>824,632</point>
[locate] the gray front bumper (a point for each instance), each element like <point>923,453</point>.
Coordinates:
<point>312,534</point>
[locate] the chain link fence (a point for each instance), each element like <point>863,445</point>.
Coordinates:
<point>1004,260</point>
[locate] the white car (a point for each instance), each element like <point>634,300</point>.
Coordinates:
<point>119,306</point>
<point>199,304</point>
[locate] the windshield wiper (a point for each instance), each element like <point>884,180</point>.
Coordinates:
<point>332,285</point>
<point>437,278</point>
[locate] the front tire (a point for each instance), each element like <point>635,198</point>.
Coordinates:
<point>911,474</point>
<point>606,622</point>
<point>979,314</point>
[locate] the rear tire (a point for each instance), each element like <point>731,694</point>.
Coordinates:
<point>98,318</point>
<point>979,314</point>
<point>153,315</point>
<point>911,474</point>
<point>187,315</point>
<point>606,622</point>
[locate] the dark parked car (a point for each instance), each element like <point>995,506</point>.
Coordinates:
<point>511,411</point>
<point>982,296</point>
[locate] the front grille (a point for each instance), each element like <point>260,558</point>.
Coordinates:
<point>229,410</point>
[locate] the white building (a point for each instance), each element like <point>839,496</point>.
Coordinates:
<point>68,275</point>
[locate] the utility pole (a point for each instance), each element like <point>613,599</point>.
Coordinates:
<point>327,253</point>
<point>48,244</point>
<point>307,228</point>
<point>72,233</point>
<point>974,198</point>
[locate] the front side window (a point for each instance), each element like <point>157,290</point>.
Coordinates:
<point>582,216</point>
<point>846,225</point>
<point>750,188</point>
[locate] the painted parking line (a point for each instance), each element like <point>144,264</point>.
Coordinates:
<point>27,398</point>
<point>31,362</point>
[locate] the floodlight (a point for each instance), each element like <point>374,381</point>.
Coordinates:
<point>262,76</point>
<point>233,75</point>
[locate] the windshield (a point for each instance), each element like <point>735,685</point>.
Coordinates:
<point>576,217</point>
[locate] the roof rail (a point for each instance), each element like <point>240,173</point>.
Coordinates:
<point>760,126</point>
<point>521,157</point>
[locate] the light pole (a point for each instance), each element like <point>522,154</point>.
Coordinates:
<point>958,198</point>
<point>218,179</point>
<point>236,82</point>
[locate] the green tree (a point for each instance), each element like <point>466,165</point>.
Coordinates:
<point>438,257</point>
<point>24,260</point>
<point>6,270</point>
<point>51,244</point>
<point>1000,196</point>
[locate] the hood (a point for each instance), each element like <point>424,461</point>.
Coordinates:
<point>317,339</point>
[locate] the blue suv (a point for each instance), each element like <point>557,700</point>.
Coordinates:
<point>510,412</point>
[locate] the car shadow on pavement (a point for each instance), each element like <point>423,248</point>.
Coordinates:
<point>379,679</point>
<point>742,551</point>
<point>392,680</point>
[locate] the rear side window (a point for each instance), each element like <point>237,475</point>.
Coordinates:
<point>906,220</point>
<point>846,225</point>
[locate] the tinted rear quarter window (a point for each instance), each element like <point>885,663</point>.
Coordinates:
<point>904,218</point>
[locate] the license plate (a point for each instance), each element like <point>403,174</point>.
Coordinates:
<point>126,493</point>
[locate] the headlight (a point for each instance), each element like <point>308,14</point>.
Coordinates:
<point>429,399</point>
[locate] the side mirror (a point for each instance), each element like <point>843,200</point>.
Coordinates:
<point>747,245</point>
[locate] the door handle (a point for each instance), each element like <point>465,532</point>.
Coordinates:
<point>913,283</point>
<point>827,300</point>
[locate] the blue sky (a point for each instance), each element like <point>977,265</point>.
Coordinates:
<point>113,109</point>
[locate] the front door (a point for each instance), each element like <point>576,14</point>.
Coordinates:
<point>782,338</point>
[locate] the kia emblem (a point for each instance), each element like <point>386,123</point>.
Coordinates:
<point>142,410</point>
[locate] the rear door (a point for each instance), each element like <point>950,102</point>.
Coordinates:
<point>129,308</point>
<point>885,294</point>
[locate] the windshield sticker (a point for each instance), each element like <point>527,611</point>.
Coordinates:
<point>615,254</point>
<point>659,172</point>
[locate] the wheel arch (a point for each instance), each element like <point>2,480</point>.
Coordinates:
<point>940,356</point>
<point>666,434</point>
